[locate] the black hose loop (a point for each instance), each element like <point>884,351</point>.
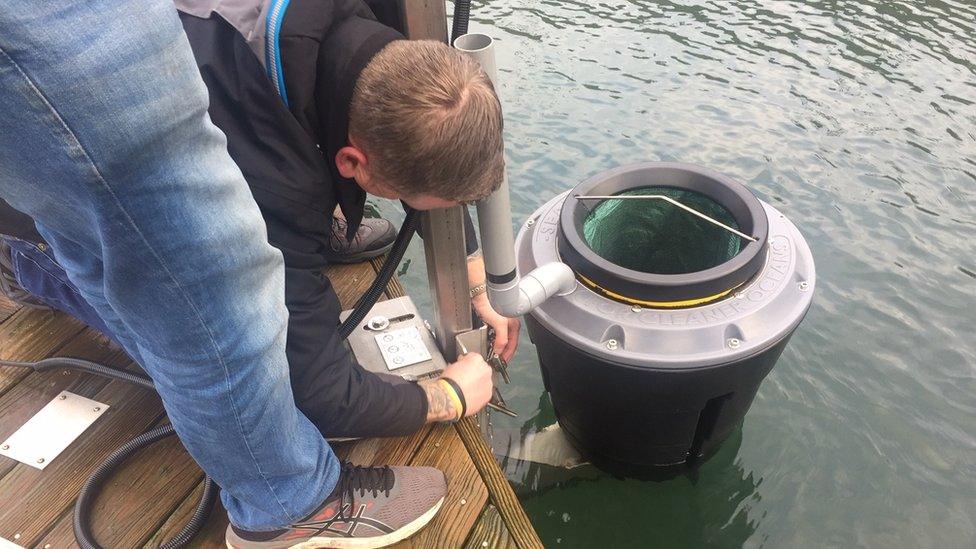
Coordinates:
<point>89,491</point>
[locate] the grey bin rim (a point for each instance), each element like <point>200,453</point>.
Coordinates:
<point>747,210</point>
<point>760,312</point>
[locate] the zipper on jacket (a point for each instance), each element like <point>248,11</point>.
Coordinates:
<point>272,51</point>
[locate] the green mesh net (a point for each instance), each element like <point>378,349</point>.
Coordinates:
<point>654,236</point>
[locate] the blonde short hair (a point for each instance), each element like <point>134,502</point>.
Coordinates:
<point>429,121</point>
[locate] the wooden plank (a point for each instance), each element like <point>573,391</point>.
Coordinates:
<point>490,531</point>
<point>32,334</point>
<point>7,308</point>
<point>212,535</point>
<point>424,19</point>
<point>466,493</point>
<point>383,451</point>
<point>501,491</point>
<point>394,288</point>
<point>350,281</point>
<point>34,500</point>
<point>138,498</point>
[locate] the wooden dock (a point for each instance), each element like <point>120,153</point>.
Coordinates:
<point>152,496</point>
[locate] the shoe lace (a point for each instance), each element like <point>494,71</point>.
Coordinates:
<point>362,479</point>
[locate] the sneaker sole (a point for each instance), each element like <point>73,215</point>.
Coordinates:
<point>385,540</point>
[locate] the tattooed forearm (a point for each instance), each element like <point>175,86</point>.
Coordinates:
<point>439,407</point>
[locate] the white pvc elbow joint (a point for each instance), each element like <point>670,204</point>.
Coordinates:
<point>520,296</point>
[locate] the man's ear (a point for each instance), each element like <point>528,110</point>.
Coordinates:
<point>351,163</point>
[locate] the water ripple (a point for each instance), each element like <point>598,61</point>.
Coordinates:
<point>856,119</point>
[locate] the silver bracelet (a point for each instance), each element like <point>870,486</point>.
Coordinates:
<point>478,290</point>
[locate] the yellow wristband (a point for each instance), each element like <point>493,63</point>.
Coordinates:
<point>453,397</point>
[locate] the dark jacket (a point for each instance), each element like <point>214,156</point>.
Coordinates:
<point>280,76</point>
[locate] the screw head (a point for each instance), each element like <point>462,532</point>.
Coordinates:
<point>636,308</point>
<point>803,286</point>
<point>464,502</point>
<point>40,460</point>
<point>612,344</point>
<point>63,397</point>
<point>530,222</point>
<point>98,408</point>
<point>5,447</point>
<point>734,343</point>
<point>16,536</point>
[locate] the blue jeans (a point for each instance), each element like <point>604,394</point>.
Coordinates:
<point>105,141</point>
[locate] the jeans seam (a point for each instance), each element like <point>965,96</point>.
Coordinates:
<point>162,265</point>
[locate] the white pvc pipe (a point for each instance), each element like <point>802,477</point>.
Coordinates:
<point>509,294</point>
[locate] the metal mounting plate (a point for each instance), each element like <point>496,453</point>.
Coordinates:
<point>401,314</point>
<point>52,429</point>
<point>7,544</point>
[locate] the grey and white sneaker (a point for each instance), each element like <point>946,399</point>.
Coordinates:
<point>370,507</point>
<point>373,238</point>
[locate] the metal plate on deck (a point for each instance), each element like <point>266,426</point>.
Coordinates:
<point>52,429</point>
<point>398,318</point>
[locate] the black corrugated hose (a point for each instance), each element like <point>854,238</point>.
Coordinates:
<point>462,12</point>
<point>366,302</point>
<point>89,490</point>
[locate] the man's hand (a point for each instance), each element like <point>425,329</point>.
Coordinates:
<point>506,329</point>
<point>473,375</point>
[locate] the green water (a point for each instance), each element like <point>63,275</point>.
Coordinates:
<point>857,120</point>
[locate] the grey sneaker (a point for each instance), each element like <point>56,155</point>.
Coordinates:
<point>374,238</point>
<point>370,507</point>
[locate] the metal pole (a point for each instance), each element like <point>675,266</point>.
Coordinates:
<point>443,230</point>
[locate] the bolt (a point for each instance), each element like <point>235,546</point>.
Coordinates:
<point>734,343</point>
<point>42,246</point>
<point>5,447</point>
<point>464,502</point>
<point>612,344</point>
<point>636,308</point>
<point>803,286</point>
<point>63,397</point>
<point>40,460</point>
